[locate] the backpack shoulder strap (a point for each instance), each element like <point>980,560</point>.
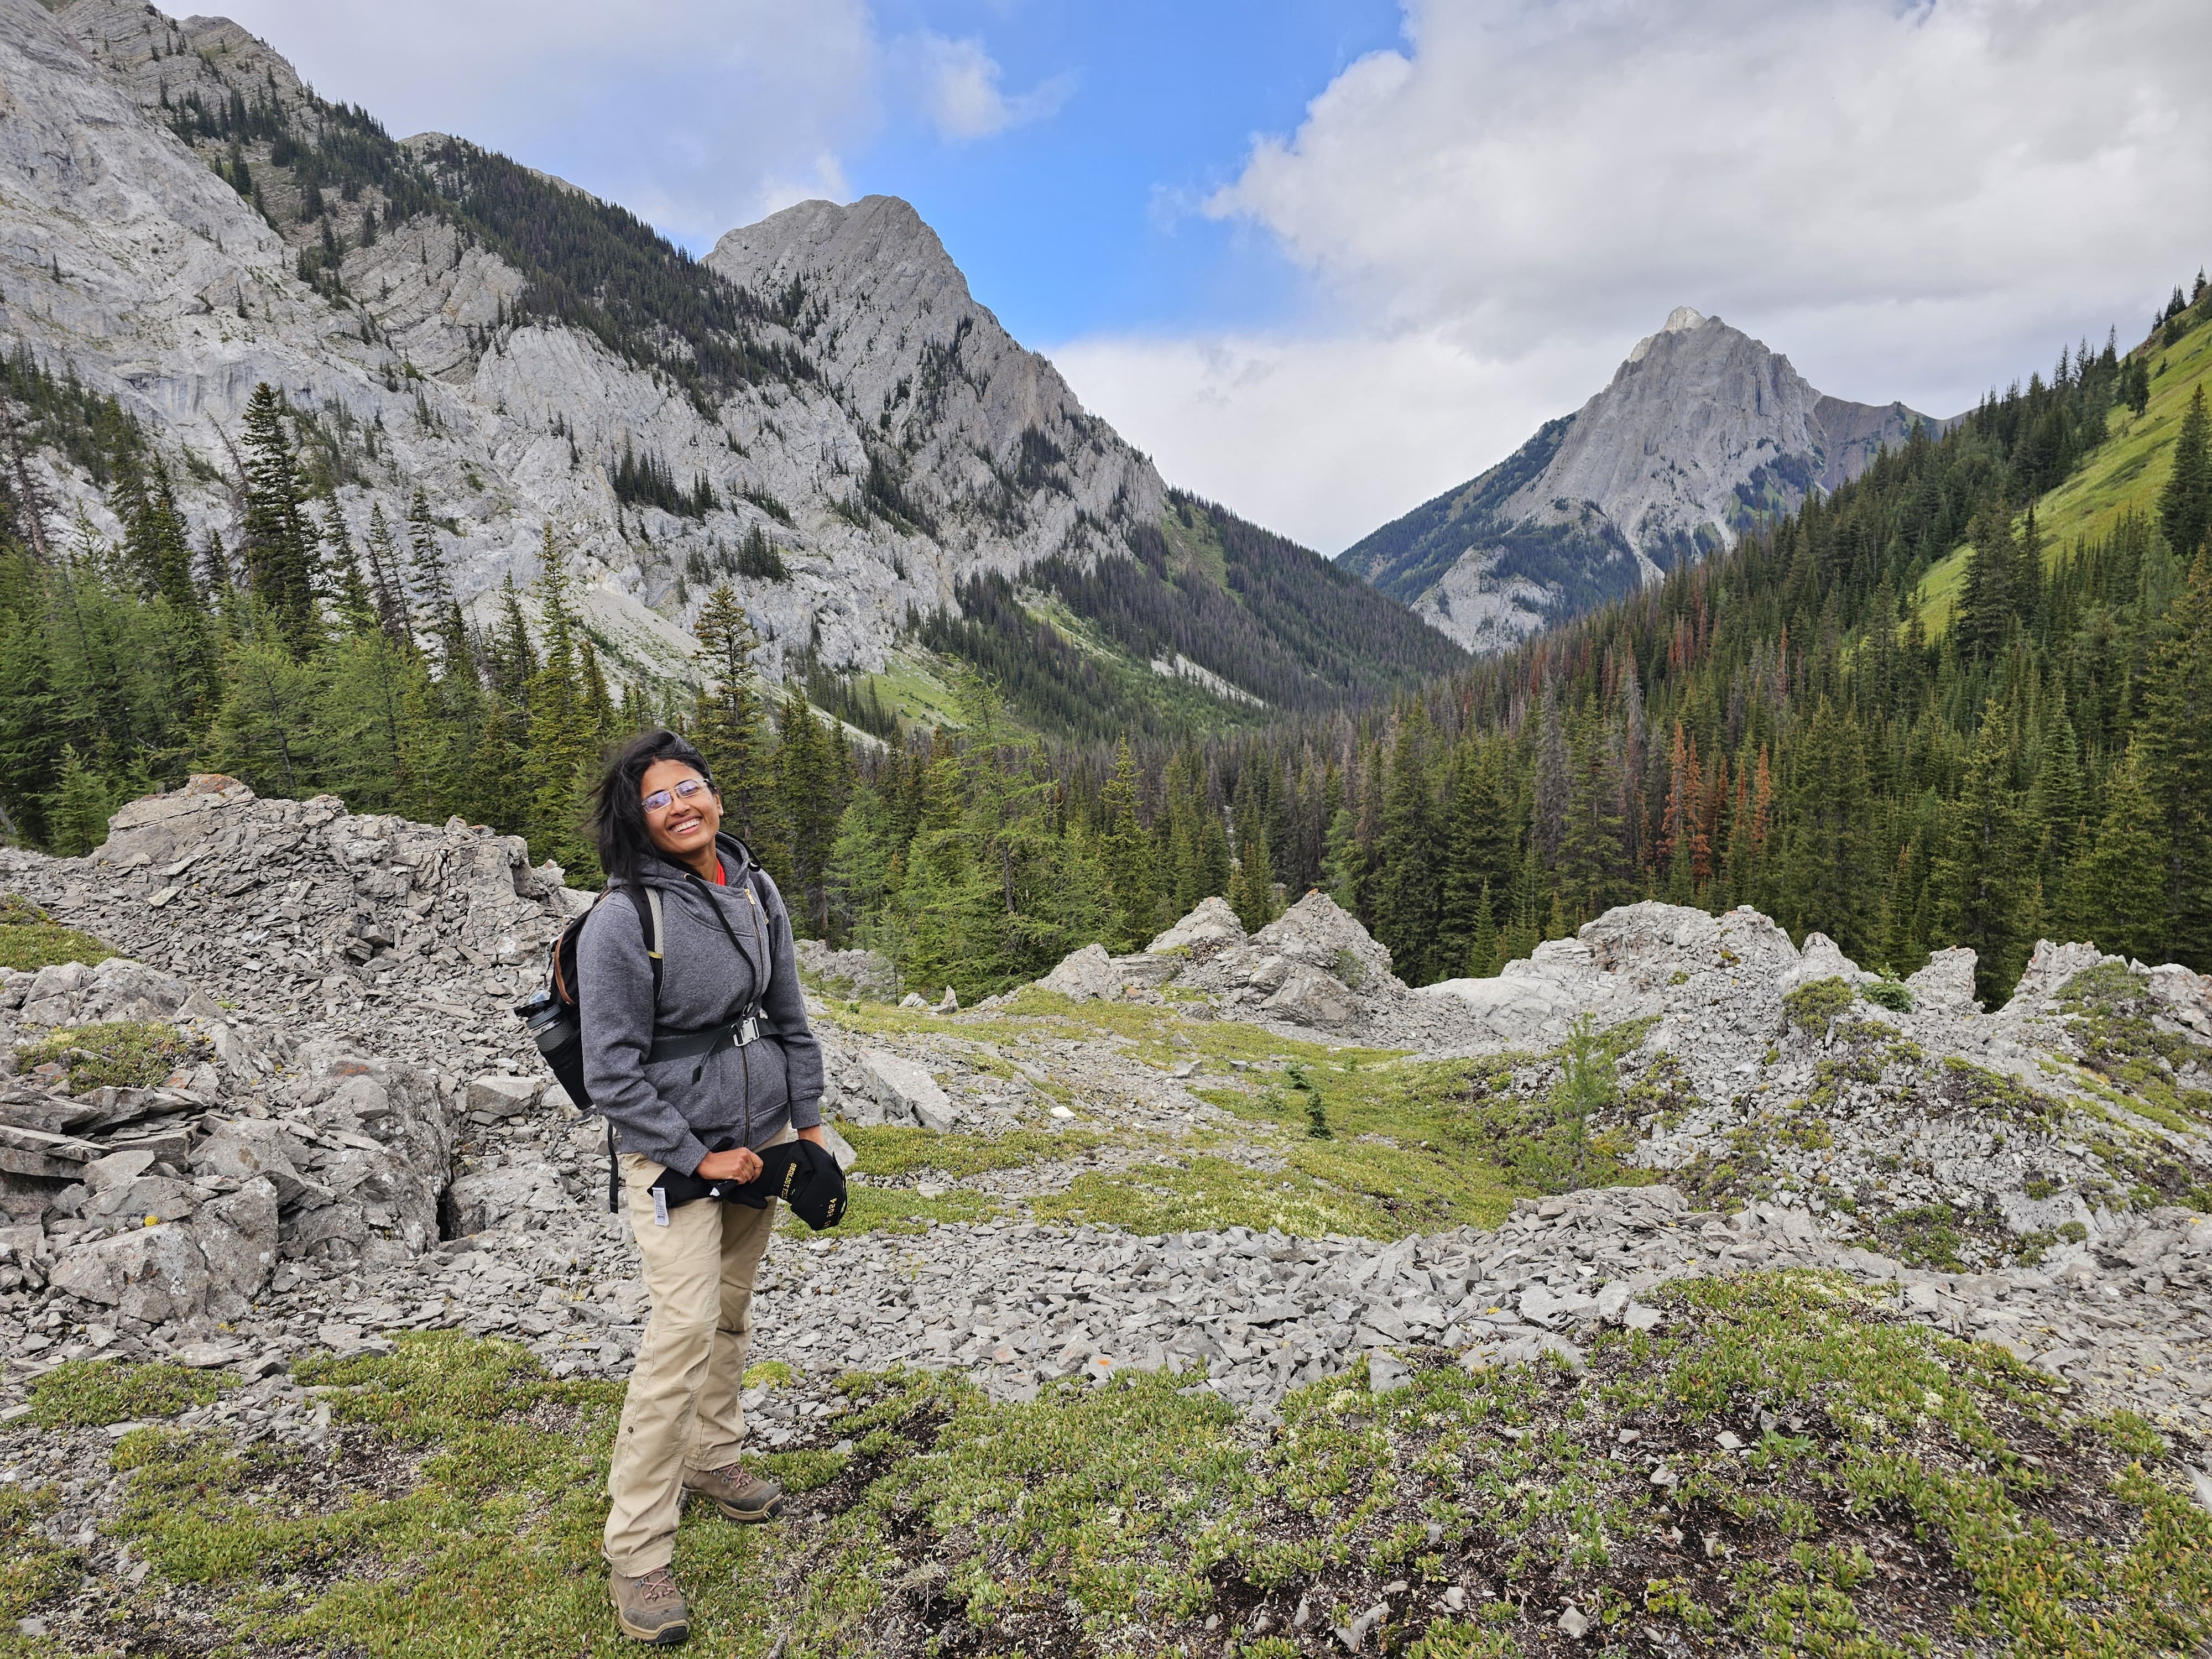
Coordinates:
<point>763,932</point>
<point>655,929</point>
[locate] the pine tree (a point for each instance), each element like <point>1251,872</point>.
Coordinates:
<point>2116,881</point>
<point>731,729</point>
<point>1252,888</point>
<point>1978,876</point>
<point>563,754</point>
<point>1131,882</point>
<point>2176,766</point>
<point>279,545</point>
<point>2184,505</point>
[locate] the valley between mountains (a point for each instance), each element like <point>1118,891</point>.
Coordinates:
<point>1679,1287</point>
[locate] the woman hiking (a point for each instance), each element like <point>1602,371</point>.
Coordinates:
<point>726,957</point>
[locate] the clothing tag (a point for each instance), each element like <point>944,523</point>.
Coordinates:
<point>660,1207</point>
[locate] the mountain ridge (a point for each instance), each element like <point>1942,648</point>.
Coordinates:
<point>822,387</point>
<point>1702,432</point>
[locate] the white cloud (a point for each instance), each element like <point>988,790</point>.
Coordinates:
<point>696,114</point>
<point>961,93</point>
<point>1910,200</point>
<point>1321,439</point>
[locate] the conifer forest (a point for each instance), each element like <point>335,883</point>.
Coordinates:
<point>1779,725</point>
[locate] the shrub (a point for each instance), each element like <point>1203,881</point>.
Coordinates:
<point>1889,994</point>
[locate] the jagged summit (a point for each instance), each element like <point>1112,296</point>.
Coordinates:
<point>1703,432</point>
<point>1680,318</point>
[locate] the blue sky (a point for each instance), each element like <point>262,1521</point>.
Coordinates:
<point>1323,260</point>
<point>1088,219</point>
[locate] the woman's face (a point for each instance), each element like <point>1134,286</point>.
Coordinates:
<point>681,826</point>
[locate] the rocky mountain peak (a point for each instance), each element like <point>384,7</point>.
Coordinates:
<point>1679,320</point>
<point>1703,433</point>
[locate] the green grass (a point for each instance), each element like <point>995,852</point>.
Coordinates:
<point>2130,468</point>
<point>88,1393</point>
<point>31,939</point>
<point>892,1150</point>
<point>1118,1519</point>
<point>467,1523</point>
<point>126,1054</point>
<point>2123,476</point>
<point>33,1567</point>
<point>1889,1486</point>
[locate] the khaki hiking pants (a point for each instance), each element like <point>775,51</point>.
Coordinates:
<point>681,1412</point>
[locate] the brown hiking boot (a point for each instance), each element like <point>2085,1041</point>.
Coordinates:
<point>650,1608</point>
<point>739,1496</point>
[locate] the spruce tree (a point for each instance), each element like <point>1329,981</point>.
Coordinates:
<point>1481,962</point>
<point>1978,875</point>
<point>731,729</point>
<point>279,542</point>
<point>1131,881</point>
<point>2176,766</point>
<point>1407,887</point>
<point>1252,888</point>
<point>562,754</point>
<point>2184,505</point>
<point>385,584</point>
<point>440,610</point>
<point>2117,883</point>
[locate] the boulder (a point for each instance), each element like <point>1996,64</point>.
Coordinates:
<point>2048,971</point>
<point>1516,1009</point>
<point>838,1147</point>
<point>1314,931</point>
<point>117,1169</point>
<point>493,1198</point>
<point>1209,927</point>
<point>153,1273</point>
<point>1309,997</point>
<point>248,1147</point>
<point>1822,959</point>
<point>153,1197</point>
<point>1945,985</point>
<point>906,1090</point>
<point>502,1094</point>
<point>1085,976</point>
<point>237,1235</point>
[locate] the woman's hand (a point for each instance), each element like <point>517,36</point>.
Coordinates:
<point>738,1163</point>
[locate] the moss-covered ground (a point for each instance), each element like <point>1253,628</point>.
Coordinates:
<point>1781,1468</point>
<point>126,1054</point>
<point>31,939</point>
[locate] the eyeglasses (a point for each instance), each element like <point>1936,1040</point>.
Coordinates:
<point>683,791</point>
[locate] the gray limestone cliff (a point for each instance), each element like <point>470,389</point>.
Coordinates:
<point>174,229</point>
<point>1703,433</point>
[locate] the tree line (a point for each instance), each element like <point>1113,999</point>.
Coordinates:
<point>1775,726</point>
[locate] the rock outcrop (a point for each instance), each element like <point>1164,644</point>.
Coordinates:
<point>1703,431</point>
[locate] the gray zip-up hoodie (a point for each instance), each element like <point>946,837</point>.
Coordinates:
<point>674,1111</point>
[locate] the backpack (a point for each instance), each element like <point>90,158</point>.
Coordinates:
<point>554,1015</point>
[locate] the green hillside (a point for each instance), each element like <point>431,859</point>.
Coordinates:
<point>2122,476</point>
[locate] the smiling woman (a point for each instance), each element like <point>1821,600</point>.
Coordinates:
<point>695,1037</point>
